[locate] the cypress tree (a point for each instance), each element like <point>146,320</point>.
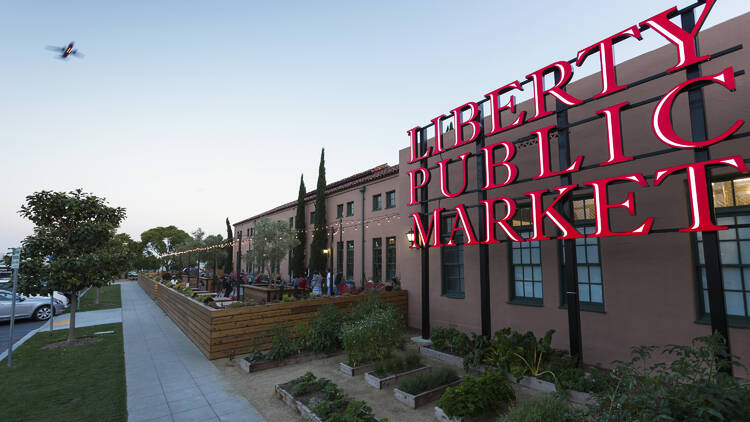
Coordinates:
<point>229,251</point>
<point>317,258</point>
<point>298,254</point>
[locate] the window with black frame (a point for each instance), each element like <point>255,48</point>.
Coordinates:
<point>349,259</point>
<point>340,211</point>
<point>340,257</point>
<point>588,258</point>
<point>390,258</point>
<point>732,205</point>
<point>452,260</point>
<point>377,258</point>
<point>526,262</point>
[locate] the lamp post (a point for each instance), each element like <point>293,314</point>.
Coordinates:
<point>410,237</point>
<point>331,232</point>
<point>326,252</point>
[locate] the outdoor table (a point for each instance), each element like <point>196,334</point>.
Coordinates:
<point>259,292</point>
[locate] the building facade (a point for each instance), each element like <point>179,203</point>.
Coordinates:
<point>362,214</point>
<point>633,290</point>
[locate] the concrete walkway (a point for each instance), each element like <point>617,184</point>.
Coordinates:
<point>86,319</point>
<point>168,378</point>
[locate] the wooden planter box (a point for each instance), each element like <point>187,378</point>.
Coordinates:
<point>381,383</point>
<point>417,400</point>
<point>353,371</point>
<point>248,366</point>
<point>442,417</point>
<point>445,357</point>
<point>295,404</point>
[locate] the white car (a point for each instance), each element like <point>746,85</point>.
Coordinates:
<point>56,295</point>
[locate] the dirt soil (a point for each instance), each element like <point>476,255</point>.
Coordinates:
<point>258,388</point>
<point>76,342</point>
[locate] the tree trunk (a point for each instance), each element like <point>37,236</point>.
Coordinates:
<point>72,326</point>
<point>98,291</point>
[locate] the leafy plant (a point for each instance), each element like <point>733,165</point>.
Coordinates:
<point>544,408</point>
<point>372,338</point>
<point>690,388</point>
<point>335,406</point>
<point>255,354</point>
<point>282,345</point>
<point>479,347</point>
<point>288,298</point>
<point>450,340</point>
<point>325,329</point>
<point>397,364</point>
<point>304,332</point>
<point>477,396</point>
<point>439,338</point>
<point>427,381</point>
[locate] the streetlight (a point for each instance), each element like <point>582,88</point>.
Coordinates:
<point>410,236</point>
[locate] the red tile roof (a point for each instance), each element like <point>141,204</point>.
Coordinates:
<point>367,176</point>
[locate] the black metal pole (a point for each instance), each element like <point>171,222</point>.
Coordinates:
<point>362,190</point>
<point>569,267</point>
<point>484,254</point>
<point>711,252</point>
<point>239,261</point>
<point>214,277</point>
<point>424,249</point>
<point>198,273</point>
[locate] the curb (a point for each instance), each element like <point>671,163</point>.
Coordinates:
<point>23,339</point>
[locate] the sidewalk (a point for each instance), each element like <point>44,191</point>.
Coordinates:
<point>168,378</point>
<point>85,319</point>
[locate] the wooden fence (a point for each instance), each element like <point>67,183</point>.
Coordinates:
<point>217,332</point>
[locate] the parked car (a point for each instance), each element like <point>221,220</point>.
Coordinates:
<point>55,295</point>
<point>132,275</point>
<point>26,307</point>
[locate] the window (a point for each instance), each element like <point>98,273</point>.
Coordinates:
<point>350,209</point>
<point>588,258</point>
<point>377,259</point>
<point>340,211</point>
<point>390,257</point>
<point>452,260</point>
<point>732,204</point>
<point>252,231</point>
<point>349,259</point>
<point>390,199</point>
<point>312,217</point>
<point>291,222</point>
<point>248,232</point>
<point>340,257</point>
<point>377,202</point>
<point>526,262</point>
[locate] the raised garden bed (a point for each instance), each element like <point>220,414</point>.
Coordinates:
<point>453,360</point>
<point>261,365</point>
<point>386,381</point>
<point>321,395</point>
<point>442,417</point>
<point>546,387</point>
<point>353,371</point>
<point>416,400</point>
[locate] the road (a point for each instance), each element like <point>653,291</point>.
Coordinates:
<point>21,328</point>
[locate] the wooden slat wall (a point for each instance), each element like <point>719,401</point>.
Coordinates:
<point>148,285</point>
<point>216,332</point>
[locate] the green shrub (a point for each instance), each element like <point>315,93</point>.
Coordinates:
<point>427,381</point>
<point>477,396</point>
<point>690,388</point>
<point>372,338</point>
<point>479,348</point>
<point>326,328</point>
<point>439,338</point>
<point>303,331</point>
<point>288,298</point>
<point>334,405</point>
<point>397,364</point>
<point>282,345</point>
<point>450,340</point>
<point>370,306</point>
<point>543,408</point>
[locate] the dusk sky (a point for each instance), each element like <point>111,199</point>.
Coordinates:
<point>187,112</point>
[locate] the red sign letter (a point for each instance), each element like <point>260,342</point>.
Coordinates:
<point>698,189</point>
<point>475,128</point>
<point>662,119</point>
<point>420,235</point>
<point>495,109</point>
<point>543,144</point>
<point>490,164</point>
<point>606,59</point>
<point>489,223</point>
<point>603,206</point>
<point>685,42</point>
<point>614,134</point>
<point>465,226</point>
<point>537,215</point>
<point>412,182</point>
<point>444,175</point>
<point>537,79</point>
<point>437,123</point>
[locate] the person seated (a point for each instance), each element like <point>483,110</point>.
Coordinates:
<point>302,283</point>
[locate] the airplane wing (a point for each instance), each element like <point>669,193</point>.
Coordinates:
<point>53,48</point>
<point>77,54</point>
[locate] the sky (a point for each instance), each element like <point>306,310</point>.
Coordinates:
<point>189,112</point>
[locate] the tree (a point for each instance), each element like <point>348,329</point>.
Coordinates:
<point>229,252</point>
<point>298,254</point>
<point>219,254</point>
<point>163,240</point>
<point>271,240</point>
<point>121,251</point>
<point>77,230</point>
<point>320,234</point>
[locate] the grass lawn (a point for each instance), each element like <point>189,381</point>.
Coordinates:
<point>80,383</point>
<point>109,298</point>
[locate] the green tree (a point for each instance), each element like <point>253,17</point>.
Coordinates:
<point>229,252</point>
<point>77,230</point>
<point>218,254</point>
<point>320,234</point>
<point>298,254</point>
<point>121,251</point>
<point>270,242</point>
<point>163,240</point>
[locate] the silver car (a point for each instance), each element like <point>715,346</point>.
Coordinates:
<point>38,309</point>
